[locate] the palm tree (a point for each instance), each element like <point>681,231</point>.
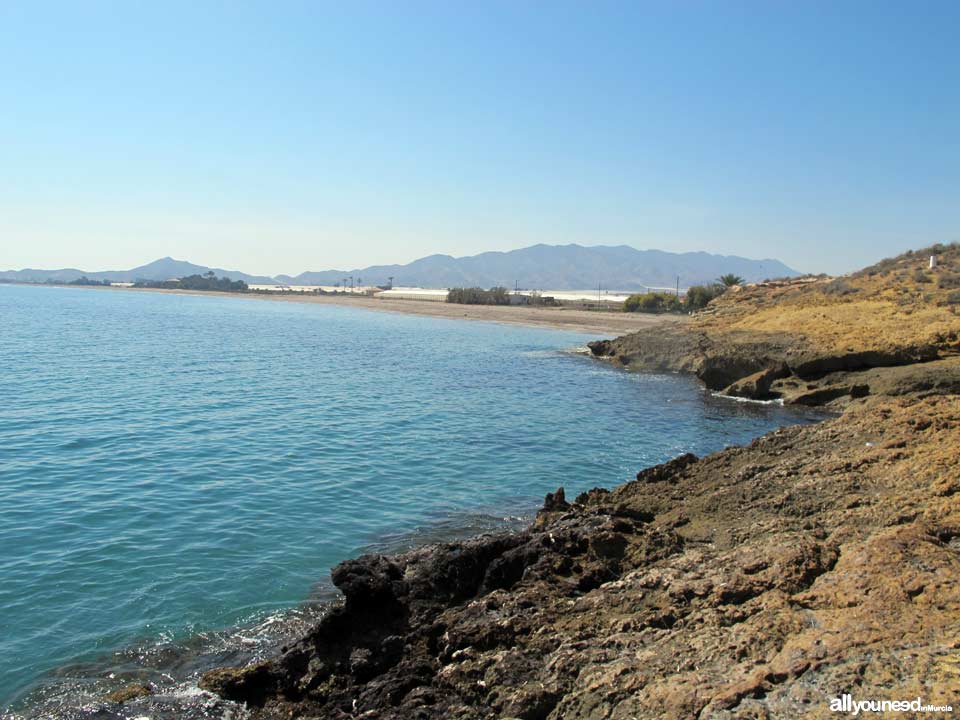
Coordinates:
<point>729,280</point>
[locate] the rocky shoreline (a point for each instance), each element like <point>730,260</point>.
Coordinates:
<point>759,582</point>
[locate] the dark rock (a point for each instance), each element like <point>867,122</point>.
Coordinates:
<point>251,684</point>
<point>369,581</point>
<point>128,692</point>
<point>556,502</point>
<point>601,348</point>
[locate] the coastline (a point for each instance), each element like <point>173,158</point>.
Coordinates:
<point>609,323</point>
<point>758,581</point>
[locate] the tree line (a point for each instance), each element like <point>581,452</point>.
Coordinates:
<point>479,296</point>
<point>207,281</point>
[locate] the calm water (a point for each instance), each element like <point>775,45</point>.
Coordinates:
<point>172,466</point>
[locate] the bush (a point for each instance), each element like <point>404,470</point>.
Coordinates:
<point>920,276</point>
<point>949,280</point>
<point>652,303</point>
<point>840,286</point>
<point>953,298</point>
<point>209,281</point>
<point>699,296</point>
<point>479,296</point>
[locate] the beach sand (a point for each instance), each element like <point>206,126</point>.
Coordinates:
<point>603,323</point>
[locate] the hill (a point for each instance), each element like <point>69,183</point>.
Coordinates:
<point>810,338</point>
<point>558,267</point>
<point>554,267</point>
<point>162,269</point>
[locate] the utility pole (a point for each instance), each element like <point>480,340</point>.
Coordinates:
<point>678,286</point>
<point>390,283</point>
<point>598,293</point>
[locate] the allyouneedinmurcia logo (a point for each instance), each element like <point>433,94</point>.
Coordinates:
<point>846,703</point>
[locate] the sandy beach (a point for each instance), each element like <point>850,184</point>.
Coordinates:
<point>601,322</point>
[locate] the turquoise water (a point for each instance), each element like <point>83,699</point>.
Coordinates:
<point>172,465</point>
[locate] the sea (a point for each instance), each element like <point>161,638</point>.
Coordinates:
<point>179,473</point>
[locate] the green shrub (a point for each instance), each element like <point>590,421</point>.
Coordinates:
<point>652,303</point>
<point>84,280</point>
<point>953,298</point>
<point>699,296</point>
<point>208,281</point>
<point>729,280</point>
<point>479,296</point>
<point>920,276</point>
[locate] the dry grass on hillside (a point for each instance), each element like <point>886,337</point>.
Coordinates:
<point>897,302</point>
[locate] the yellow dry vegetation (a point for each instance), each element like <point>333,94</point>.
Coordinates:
<point>855,326</point>
<point>899,302</point>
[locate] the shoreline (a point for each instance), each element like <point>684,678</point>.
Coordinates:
<point>758,581</point>
<point>731,584</point>
<point>601,322</point>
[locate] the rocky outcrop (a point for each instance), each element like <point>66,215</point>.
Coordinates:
<point>801,339</point>
<point>756,582</point>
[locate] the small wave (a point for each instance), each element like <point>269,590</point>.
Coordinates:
<point>172,666</point>
<point>774,401</point>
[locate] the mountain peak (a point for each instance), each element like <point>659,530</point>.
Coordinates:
<point>560,267</point>
<point>540,266</point>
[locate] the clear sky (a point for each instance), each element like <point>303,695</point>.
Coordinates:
<point>278,137</point>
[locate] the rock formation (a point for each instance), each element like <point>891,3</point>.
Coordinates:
<point>757,582</point>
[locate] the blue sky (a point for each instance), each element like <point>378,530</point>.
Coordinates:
<point>282,137</point>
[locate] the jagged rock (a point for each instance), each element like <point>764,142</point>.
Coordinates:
<point>555,502</point>
<point>370,581</point>
<point>758,581</point>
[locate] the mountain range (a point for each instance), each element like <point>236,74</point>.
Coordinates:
<point>552,267</point>
<point>163,269</point>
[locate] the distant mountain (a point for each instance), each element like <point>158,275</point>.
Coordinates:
<point>163,269</point>
<point>546,267</point>
<point>558,267</point>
